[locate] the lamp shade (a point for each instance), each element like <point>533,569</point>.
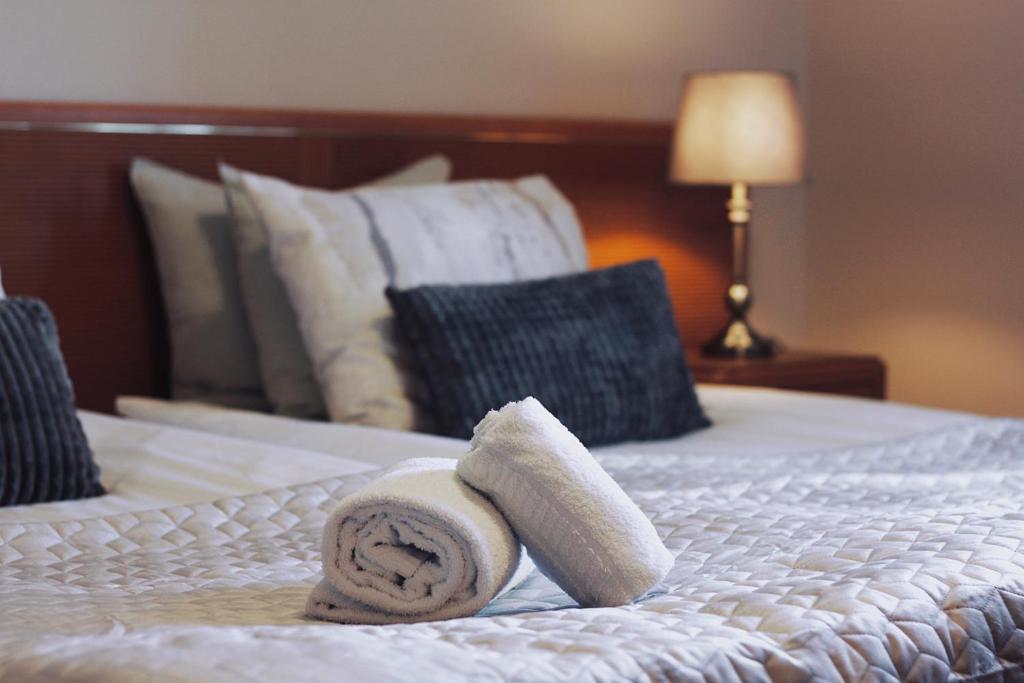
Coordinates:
<point>738,126</point>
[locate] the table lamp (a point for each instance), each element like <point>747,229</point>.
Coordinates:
<point>738,128</point>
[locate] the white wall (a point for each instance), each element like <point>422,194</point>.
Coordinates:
<point>915,211</point>
<point>593,58</point>
<point>579,58</point>
<point>908,242</point>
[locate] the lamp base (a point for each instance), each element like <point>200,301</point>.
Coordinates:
<point>739,340</point>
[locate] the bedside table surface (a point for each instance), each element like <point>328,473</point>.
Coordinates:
<point>839,373</point>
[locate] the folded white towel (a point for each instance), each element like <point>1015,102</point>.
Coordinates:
<point>416,544</point>
<point>578,525</point>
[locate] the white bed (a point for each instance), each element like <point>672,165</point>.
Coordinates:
<point>746,420</point>
<point>816,538</point>
<point>178,452</point>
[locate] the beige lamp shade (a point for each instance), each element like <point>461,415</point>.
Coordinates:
<point>738,126</point>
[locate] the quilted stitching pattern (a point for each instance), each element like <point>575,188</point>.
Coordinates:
<point>887,562</point>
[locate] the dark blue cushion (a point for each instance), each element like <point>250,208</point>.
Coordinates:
<point>599,349</point>
<point>44,454</point>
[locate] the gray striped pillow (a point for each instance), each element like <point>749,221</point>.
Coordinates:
<point>599,349</point>
<point>44,454</point>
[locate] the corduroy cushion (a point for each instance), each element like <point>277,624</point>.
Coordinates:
<point>44,454</point>
<point>599,349</point>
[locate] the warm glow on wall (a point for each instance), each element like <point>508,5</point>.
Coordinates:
<point>682,267</point>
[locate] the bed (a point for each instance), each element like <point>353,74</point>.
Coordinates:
<point>859,541</point>
<point>815,537</point>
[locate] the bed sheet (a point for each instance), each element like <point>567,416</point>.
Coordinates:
<point>146,465</point>
<point>746,421</point>
<point>170,453</point>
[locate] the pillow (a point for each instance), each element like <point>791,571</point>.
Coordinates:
<point>337,251</point>
<point>44,454</point>
<point>600,350</point>
<point>213,355</point>
<point>284,364</point>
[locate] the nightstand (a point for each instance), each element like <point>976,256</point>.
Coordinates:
<point>829,373</point>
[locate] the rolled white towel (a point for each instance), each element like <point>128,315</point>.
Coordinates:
<point>579,526</point>
<point>416,544</point>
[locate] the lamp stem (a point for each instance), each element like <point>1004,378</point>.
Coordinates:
<point>739,206</point>
<point>738,340</point>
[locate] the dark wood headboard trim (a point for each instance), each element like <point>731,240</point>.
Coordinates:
<point>72,234</point>
<point>160,120</point>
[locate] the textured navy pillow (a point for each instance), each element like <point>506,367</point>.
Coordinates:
<point>44,454</point>
<point>599,349</point>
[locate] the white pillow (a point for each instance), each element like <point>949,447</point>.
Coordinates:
<point>337,251</point>
<point>2,294</point>
<point>284,364</point>
<point>213,355</point>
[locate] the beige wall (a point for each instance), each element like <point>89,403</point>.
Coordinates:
<point>908,241</point>
<point>593,58</point>
<point>915,211</point>
<point>588,58</point>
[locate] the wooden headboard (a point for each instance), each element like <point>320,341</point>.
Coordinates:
<point>72,234</point>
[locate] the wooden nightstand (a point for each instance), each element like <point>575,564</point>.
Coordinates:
<point>829,373</point>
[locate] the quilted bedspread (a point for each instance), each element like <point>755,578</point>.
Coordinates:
<point>901,560</point>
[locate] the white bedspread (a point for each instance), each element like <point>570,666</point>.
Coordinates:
<point>147,465</point>
<point>746,421</point>
<point>882,562</point>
